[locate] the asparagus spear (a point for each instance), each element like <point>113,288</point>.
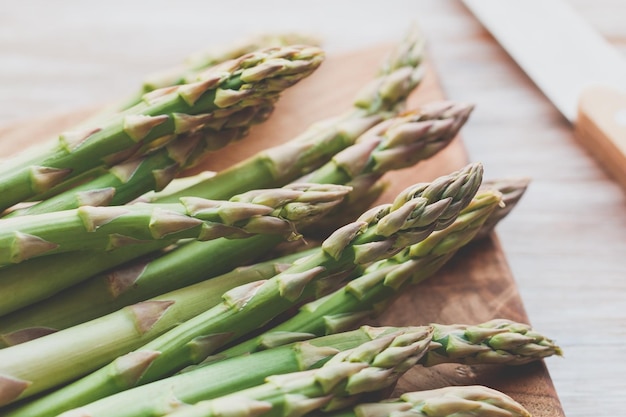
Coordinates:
<point>454,401</point>
<point>296,206</point>
<point>41,277</point>
<point>136,281</point>
<point>369,367</point>
<point>377,284</point>
<point>219,378</point>
<point>477,400</point>
<point>203,60</point>
<point>397,143</point>
<point>193,65</point>
<point>497,341</point>
<point>367,189</point>
<point>112,228</point>
<point>413,215</point>
<point>191,299</point>
<point>132,178</point>
<point>215,93</point>
<point>223,376</point>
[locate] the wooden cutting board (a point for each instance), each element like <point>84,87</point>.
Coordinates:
<point>475,287</point>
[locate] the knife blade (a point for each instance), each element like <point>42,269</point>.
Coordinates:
<point>572,64</point>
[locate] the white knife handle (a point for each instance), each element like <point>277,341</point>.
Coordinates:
<point>601,127</point>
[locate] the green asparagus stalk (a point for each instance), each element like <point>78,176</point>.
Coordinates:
<point>219,378</point>
<point>193,64</point>
<point>454,401</point>
<point>42,277</point>
<point>377,284</point>
<point>125,182</point>
<point>224,376</point>
<point>370,367</point>
<point>382,98</point>
<point>366,190</point>
<point>292,206</point>
<point>397,143</point>
<point>112,228</point>
<point>136,281</point>
<point>219,91</point>
<point>415,213</point>
<point>203,60</point>
<point>497,341</point>
<point>188,302</point>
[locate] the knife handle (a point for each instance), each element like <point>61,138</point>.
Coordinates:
<point>601,127</point>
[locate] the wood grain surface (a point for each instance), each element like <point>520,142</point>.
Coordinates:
<point>565,243</point>
<point>477,285</point>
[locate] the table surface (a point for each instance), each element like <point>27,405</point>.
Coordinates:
<point>565,243</point>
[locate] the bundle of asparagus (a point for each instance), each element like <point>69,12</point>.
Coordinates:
<point>173,290</point>
<point>383,98</point>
